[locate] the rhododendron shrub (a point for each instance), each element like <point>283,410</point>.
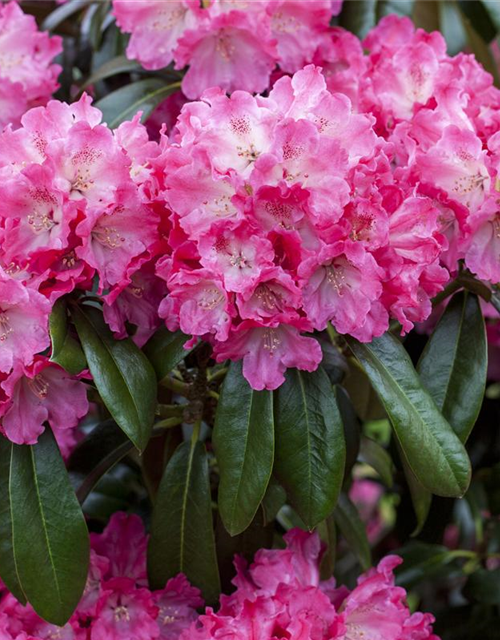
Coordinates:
<point>249,297</point>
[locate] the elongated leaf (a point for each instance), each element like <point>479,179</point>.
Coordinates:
<point>352,528</point>
<point>106,445</point>
<point>123,375</point>
<point>64,12</point>
<point>144,95</point>
<point>421,498</point>
<point>50,537</point>
<point>377,457</point>
<point>352,428</point>
<point>120,64</point>
<point>432,449</point>
<point>243,439</point>
<point>182,538</point>
<point>274,499</point>
<point>8,566</point>
<point>480,48</point>
<point>66,351</point>
<point>165,350</point>
<point>454,363</point>
<point>310,447</point>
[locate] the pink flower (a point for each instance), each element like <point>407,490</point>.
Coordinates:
<point>23,323</point>
<point>218,50</point>
<point>28,77</point>
<point>267,351</point>
<point>125,612</point>
<point>482,247</point>
<point>177,604</point>
<point>41,392</point>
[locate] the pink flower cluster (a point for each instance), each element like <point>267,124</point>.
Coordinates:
<point>73,210</point>
<point>233,44</point>
<point>279,596</point>
<point>117,604</point>
<point>27,75</point>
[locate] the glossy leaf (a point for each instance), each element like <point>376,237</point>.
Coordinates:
<point>123,376</point>
<point>182,538</point>
<point>454,363</point>
<point>421,498</point>
<point>8,566</point>
<point>310,446</point>
<point>119,64</point>
<point>66,351</point>
<point>432,449</point>
<point>50,537</point>
<point>165,350</point>
<point>243,439</point>
<point>352,428</point>
<point>377,457</point>
<point>144,95</point>
<point>274,499</point>
<point>353,529</point>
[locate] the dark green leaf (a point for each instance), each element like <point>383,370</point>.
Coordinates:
<point>493,9</point>
<point>8,566</point>
<point>310,447</point>
<point>123,376</point>
<point>399,7</point>
<point>421,498</point>
<point>51,543</point>
<point>422,561</point>
<point>479,17</point>
<point>243,439</point>
<point>377,457</point>
<point>64,12</point>
<point>98,453</point>
<point>434,452</point>
<point>484,586</point>
<point>454,363</point>
<point>358,17</point>
<point>165,350</point>
<point>182,537</point>
<point>274,499</point>
<point>353,529</point>
<point>480,48</point>
<point>144,95</point>
<point>352,428</point>
<point>66,351</point>
<point>120,64</point>
<point>328,533</point>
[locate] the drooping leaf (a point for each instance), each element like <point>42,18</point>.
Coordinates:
<point>377,457</point>
<point>310,446</point>
<point>8,566</point>
<point>243,439</point>
<point>274,499</point>
<point>328,533</point>
<point>119,64</point>
<point>421,498</point>
<point>352,428</point>
<point>104,447</point>
<point>479,46</point>
<point>66,351</point>
<point>144,95</point>
<point>454,363</point>
<point>62,13</point>
<point>123,376</point>
<point>50,537</point>
<point>182,537</point>
<point>432,449</point>
<point>165,350</point>
<point>480,18</point>
<point>353,529</point>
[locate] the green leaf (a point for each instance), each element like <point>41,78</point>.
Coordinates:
<point>123,376</point>
<point>8,565</point>
<point>493,9</point>
<point>104,447</point>
<point>66,351</point>
<point>352,428</point>
<point>274,499</point>
<point>484,586</point>
<point>310,447</point>
<point>433,451</point>
<point>119,64</point>
<point>51,542</point>
<point>165,350</point>
<point>64,12</point>
<point>425,15</point>
<point>182,537</point>
<point>243,440</point>
<point>144,95</point>
<point>421,498</point>
<point>480,48</point>
<point>479,17</point>
<point>377,457</point>
<point>454,363</point>
<point>358,17</point>
<point>353,529</point>
<point>422,561</point>
<point>328,533</point>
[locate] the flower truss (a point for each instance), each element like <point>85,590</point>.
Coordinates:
<point>279,596</point>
